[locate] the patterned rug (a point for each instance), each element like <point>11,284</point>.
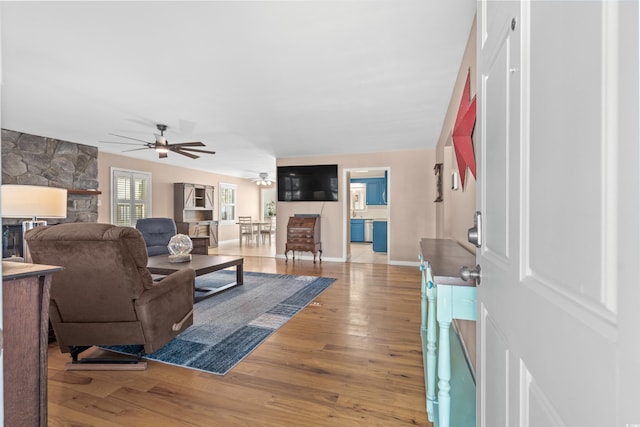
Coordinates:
<point>228,326</point>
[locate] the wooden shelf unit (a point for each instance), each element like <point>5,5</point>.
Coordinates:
<point>193,211</point>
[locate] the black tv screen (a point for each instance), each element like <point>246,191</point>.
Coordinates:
<point>316,183</point>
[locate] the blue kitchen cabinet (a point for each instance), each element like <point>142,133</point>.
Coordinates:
<point>385,190</point>
<point>357,230</point>
<point>380,236</point>
<point>376,190</point>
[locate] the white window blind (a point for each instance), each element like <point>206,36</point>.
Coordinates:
<point>228,197</point>
<point>131,196</point>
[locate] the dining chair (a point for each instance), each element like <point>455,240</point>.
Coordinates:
<point>246,228</point>
<point>268,229</point>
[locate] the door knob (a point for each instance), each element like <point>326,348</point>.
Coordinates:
<point>468,273</point>
<point>474,234</point>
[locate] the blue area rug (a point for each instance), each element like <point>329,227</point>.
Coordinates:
<point>228,326</point>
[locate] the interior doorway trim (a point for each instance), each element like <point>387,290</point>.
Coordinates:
<point>346,217</point>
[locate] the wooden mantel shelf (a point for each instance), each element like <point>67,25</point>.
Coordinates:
<point>85,192</point>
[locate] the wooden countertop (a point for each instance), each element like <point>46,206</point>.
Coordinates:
<point>446,257</point>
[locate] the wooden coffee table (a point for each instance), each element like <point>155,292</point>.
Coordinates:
<point>202,264</point>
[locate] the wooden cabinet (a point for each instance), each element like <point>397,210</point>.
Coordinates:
<point>213,234</point>
<point>25,315</point>
<point>187,192</point>
<point>192,197</point>
<point>303,234</point>
<point>200,245</point>
<point>193,209</point>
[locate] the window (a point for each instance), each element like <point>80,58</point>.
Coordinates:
<point>130,196</point>
<point>228,197</point>
<point>358,196</point>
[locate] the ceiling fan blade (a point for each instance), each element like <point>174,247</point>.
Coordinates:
<point>122,143</point>
<point>161,144</point>
<point>184,153</point>
<point>188,144</point>
<point>198,151</point>
<point>135,149</point>
<point>128,137</point>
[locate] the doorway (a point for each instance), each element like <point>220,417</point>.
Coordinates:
<point>268,199</point>
<point>367,215</point>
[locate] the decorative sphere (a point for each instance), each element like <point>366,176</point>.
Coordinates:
<point>180,244</point>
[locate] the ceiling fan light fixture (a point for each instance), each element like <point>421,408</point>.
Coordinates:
<point>162,146</point>
<point>263,180</point>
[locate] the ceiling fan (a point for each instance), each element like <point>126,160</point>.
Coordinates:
<point>162,146</point>
<point>263,180</point>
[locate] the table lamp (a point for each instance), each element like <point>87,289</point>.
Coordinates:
<point>32,201</point>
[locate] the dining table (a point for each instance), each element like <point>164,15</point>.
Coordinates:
<point>256,226</point>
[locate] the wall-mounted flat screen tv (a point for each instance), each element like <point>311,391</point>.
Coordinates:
<point>315,183</point>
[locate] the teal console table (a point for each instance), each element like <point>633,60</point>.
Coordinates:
<point>445,297</point>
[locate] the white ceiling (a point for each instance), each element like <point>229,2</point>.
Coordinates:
<point>254,81</point>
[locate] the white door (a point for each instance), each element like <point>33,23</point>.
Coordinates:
<point>557,146</point>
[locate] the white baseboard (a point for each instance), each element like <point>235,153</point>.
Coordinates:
<point>405,263</point>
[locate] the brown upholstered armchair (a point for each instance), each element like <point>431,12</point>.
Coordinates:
<point>105,295</point>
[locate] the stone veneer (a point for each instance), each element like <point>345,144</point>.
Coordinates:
<point>36,160</point>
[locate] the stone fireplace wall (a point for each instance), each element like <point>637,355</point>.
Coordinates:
<point>37,160</point>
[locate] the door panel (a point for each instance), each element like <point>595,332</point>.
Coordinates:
<point>496,154</point>
<point>496,370</point>
<point>572,115</point>
<point>551,167</point>
<point>539,411</point>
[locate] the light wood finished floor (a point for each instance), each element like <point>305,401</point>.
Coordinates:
<point>360,252</point>
<point>351,358</point>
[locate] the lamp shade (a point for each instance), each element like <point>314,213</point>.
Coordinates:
<point>32,201</point>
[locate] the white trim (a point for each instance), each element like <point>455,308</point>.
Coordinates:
<point>346,185</point>
<point>148,200</point>
<point>222,186</point>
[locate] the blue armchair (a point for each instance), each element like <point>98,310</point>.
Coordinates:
<point>156,233</point>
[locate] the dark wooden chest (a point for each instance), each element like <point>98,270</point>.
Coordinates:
<point>303,234</point>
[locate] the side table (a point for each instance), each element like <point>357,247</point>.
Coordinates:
<point>25,316</point>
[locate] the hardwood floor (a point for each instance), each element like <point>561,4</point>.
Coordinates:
<point>360,252</point>
<point>350,358</point>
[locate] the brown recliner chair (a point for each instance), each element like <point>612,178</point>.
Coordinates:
<point>105,295</point>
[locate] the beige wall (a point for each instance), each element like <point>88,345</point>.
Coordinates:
<point>455,213</point>
<point>411,207</point>
<point>163,177</point>
<point>411,195</point>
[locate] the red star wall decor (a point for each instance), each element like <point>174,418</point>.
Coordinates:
<point>462,131</point>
